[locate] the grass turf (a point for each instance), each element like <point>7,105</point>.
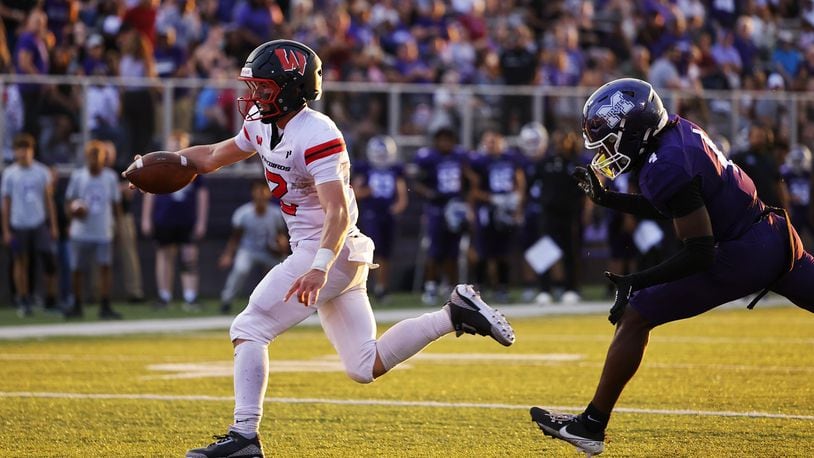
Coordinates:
<point>724,361</point>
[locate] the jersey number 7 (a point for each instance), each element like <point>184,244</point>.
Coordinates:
<point>281,189</point>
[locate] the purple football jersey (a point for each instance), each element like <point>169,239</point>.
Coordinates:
<point>443,172</point>
<point>684,152</point>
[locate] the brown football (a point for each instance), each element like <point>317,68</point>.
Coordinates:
<point>160,172</point>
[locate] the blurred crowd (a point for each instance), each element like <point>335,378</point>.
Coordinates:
<point>761,51</point>
<point>691,45</point>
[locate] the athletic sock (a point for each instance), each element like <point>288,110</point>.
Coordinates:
<point>595,420</point>
<point>251,379</point>
<point>190,295</point>
<point>164,295</point>
<point>409,336</point>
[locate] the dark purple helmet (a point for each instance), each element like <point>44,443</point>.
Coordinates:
<point>282,76</point>
<point>619,119</point>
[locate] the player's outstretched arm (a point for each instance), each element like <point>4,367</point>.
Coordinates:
<point>209,158</point>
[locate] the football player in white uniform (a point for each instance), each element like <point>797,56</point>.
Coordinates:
<point>307,168</point>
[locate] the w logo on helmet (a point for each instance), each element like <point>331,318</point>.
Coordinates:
<point>618,107</point>
<point>291,59</point>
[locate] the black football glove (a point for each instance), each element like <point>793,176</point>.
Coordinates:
<point>589,183</point>
<point>624,288</point>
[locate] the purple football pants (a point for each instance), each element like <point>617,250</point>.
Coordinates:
<point>742,267</point>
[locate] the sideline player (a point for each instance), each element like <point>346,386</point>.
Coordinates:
<point>307,166</point>
<point>734,245</point>
<point>381,192</point>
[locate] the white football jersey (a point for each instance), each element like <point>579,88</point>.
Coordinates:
<point>311,151</point>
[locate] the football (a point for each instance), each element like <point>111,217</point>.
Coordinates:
<point>160,172</point>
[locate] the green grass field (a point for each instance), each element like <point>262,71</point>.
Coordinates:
<point>158,395</point>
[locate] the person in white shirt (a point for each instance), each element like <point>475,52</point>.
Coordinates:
<point>307,167</point>
<point>258,238</point>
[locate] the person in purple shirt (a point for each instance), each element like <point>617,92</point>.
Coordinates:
<point>733,244</point>
<point>31,58</point>
<point>497,195</point>
<point>443,174</point>
<point>796,173</point>
<point>177,222</point>
<point>381,192</point>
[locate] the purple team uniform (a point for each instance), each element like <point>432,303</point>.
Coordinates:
<point>533,210</point>
<point>443,173</point>
<point>375,218</point>
<point>493,224</point>
<point>174,214</point>
<point>752,246</point>
<point>799,186</point>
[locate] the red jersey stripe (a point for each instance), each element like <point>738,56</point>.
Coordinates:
<point>246,133</point>
<point>324,146</point>
<point>325,153</point>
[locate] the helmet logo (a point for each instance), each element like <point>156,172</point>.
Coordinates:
<point>613,112</point>
<point>291,59</point>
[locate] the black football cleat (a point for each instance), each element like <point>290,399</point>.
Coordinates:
<point>569,428</point>
<point>232,445</point>
<point>471,315</point>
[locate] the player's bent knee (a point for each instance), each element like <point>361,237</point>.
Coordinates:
<point>245,328</point>
<point>360,375</point>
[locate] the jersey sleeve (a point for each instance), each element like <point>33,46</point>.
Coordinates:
<point>324,153</point>
<point>242,139</point>
<point>661,180</point>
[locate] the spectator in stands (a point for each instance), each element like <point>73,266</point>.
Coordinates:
<point>745,44</point>
<point>94,204</point>
<point>29,222</point>
<point>177,222</point>
<point>727,58</point>
<point>259,238</point>
<point>31,58</point>
<point>215,109</point>
<point>498,189</point>
<point>141,16</point>
<point>381,192</point>
<point>786,59</point>
<point>758,162</point>
<point>563,203</point>
<point>183,17</point>
<point>13,108</point>
<point>257,21</point>
<point>442,176</point>
<point>62,14</point>
<point>518,66</point>
<point>171,61</point>
<point>138,105</point>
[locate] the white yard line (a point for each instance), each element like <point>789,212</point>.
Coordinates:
<point>175,325</point>
<point>395,403</point>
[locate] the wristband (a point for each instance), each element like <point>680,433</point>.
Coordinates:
<point>323,259</point>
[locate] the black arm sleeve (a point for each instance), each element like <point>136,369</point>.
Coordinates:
<point>698,253</point>
<point>635,204</point>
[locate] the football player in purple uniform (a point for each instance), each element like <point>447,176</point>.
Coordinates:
<point>532,143</point>
<point>381,192</point>
<point>442,179</point>
<point>796,173</point>
<point>498,192</point>
<point>733,244</point>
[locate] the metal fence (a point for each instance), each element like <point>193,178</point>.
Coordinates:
<point>410,112</point>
